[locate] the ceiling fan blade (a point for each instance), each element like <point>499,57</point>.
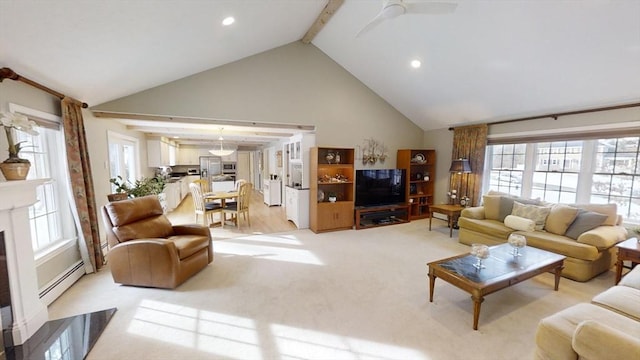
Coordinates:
<point>373,23</point>
<point>430,7</point>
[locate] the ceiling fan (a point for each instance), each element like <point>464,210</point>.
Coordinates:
<point>394,8</point>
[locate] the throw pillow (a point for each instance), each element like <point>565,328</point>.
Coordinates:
<point>585,221</point>
<point>491,205</point>
<point>534,212</point>
<point>559,219</point>
<point>611,210</point>
<point>519,223</point>
<point>506,205</point>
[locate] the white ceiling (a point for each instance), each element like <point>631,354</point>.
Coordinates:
<point>487,61</point>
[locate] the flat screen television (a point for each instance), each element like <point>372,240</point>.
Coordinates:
<point>380,187</point>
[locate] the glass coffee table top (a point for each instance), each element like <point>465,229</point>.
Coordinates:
<point>500,263</point>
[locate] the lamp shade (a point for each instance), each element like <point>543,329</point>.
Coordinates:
<point>460,166</point>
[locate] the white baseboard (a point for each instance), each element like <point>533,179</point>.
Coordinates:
<point>51,291</point>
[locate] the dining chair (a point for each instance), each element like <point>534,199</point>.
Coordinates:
<point>233,201</point>
<point>205,209</point>
<point>241,206</point>
<point>203,183</point>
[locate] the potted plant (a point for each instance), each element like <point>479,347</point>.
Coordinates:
<point>15,167</point>
<point>141,187</point>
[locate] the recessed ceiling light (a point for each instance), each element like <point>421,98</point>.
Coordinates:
<point>228,21</point>
<point>416,64</point>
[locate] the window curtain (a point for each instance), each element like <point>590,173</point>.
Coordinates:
<point>82,183</point>
<point>469,142</point>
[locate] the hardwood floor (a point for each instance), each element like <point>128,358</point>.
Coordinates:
<point>264,219</point>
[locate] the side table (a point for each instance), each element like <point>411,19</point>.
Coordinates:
<point>628,250</point>
<point>452,212</point>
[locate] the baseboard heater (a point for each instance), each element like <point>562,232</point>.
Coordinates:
<point>61,283</point>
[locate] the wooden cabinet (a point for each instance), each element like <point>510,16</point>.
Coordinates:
<point>332,175</point>
<point>420,166</point>
<point>297,206</point>
<point>272,191</point>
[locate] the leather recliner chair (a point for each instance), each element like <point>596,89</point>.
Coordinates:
<point>146,250</point>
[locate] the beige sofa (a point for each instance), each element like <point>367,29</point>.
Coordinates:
<point>606,328</point>
<point>563,230</point>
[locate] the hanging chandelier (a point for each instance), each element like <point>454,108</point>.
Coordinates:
<point>221,151</point>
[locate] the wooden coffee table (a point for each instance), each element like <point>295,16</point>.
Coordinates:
<point>502,270</point>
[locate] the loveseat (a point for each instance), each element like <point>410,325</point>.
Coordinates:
<point>585,233</point>
<point>606,328</point>
<point>146,250</point>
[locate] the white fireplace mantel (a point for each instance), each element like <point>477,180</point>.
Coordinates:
<point>29,313</point>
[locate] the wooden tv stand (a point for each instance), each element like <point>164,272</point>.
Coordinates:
<point>374,216</point>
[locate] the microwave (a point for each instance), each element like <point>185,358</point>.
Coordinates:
<point>228,167</point>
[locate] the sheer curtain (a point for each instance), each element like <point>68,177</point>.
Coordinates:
<point>81,184</point>
<point>470,142</point>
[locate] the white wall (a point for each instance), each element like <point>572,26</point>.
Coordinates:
<point>295,83</point>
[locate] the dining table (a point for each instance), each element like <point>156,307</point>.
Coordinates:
<point>223,196</point>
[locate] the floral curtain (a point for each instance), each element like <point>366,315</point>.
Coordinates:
<point>470,142</point>
<point>82,183</point>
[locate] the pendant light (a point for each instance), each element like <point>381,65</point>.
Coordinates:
<point>221,151</point>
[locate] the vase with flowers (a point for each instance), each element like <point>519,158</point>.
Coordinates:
<point>15,167</point>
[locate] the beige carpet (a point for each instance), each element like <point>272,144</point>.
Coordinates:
<point>341,295</point>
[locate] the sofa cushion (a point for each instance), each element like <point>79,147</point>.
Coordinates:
<point>491,204</point>
<point>585,221</point>
<point>559,219</point>
<point>519,223</point>
<point>621,299</point>
<point>611,210</point>
<point>631,279</point>
<point>534,212</point>
<point>560,245</point>
<point>555,333</point>
<point>497,207</point>
<point>489,227</point>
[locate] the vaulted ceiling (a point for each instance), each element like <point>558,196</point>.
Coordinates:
<point>486,61</point>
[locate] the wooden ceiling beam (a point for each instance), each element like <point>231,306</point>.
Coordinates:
<point>194,120</point>
<point>326,14</point>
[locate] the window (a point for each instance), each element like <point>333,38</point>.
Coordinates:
<point>590,170</point>
<point>506,167</point>
<point>50,217</point>
<point>123,159</point>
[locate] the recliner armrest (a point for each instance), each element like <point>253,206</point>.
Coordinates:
<point>145,262</point>
<point>595,340</point>
<point>191,229</point>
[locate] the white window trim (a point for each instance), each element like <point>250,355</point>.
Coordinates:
<point>116,135</point>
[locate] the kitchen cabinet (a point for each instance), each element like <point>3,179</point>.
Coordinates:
<point>223,186</point>
<point>172,193</point>
<point>159,152</point>
<point>272,192</point>
<point>230,158</point>
<point>298,155</point>
<point>297,206</point>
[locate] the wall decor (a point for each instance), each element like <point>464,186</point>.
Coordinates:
<point>373,151</point>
